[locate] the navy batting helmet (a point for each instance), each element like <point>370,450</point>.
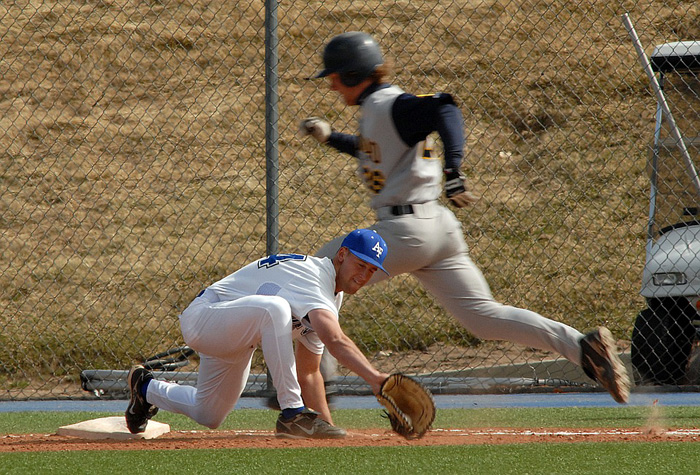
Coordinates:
<point>354,55</point>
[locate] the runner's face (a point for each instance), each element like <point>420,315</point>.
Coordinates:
<point>349,94</point>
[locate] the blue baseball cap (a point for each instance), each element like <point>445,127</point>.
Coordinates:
<point>367,245</point>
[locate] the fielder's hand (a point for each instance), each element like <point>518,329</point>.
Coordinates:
<point>409,405</point>
<point>456,190</point>
<point>315,127</point>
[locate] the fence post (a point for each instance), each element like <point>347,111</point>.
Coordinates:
<point>271,134</point>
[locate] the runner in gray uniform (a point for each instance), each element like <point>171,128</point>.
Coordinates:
<point>396,161</point>
<point>268,303</point>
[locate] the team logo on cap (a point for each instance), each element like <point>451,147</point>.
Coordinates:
<point>368,245</point>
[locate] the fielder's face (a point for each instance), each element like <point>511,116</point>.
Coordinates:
<point>352,273</point>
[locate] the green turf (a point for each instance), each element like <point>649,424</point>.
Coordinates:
<point>617,458</point>
<point>535,458</point>
<point>622,416</point>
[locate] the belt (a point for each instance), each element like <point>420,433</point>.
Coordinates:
<point>400,210</point>
<point>417,210</point>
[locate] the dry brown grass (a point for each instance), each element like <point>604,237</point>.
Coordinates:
<point>132,161</point>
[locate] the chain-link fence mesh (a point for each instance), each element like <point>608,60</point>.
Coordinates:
<point>665,333</point>
<point>132,168</point>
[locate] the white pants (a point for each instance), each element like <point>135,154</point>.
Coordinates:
<point>432,248</point>
<point>225,334</point>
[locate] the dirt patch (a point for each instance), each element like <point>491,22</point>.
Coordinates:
<point>178,440</point>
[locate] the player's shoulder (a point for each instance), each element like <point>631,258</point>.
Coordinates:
<point>423,105</point>
<point>311,264</point>
<point>322,262</point>
<point>439,97</point>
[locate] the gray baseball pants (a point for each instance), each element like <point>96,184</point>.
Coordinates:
<point>429,244</point>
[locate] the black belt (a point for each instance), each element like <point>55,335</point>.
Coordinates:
<point>399,210</point>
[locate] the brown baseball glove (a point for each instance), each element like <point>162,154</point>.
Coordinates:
<point>409,405</point>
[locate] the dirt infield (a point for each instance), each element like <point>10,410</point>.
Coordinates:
<point>178,440</point>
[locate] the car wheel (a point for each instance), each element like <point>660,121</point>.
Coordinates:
<point>662,341</point>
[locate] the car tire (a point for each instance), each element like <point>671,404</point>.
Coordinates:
<point>662,341</point>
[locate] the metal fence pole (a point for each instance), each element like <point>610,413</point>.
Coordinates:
<point>271,133</point>
<point>271,125</point>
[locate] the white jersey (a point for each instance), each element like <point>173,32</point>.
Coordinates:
<point>396,173</point>
<point>307,283</point>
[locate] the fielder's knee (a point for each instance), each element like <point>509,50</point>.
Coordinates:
<point>278,310</point>
<point>212,421</point>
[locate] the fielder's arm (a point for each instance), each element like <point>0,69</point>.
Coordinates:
<point>344,349</point>
<point>311,381</point>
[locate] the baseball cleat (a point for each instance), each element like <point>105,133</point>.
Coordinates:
<point>139,410</point>
<point>307,425</point>
<point>601,363</point>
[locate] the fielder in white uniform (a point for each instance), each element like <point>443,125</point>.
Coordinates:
<point>268,303</point>
<point>396,161</point>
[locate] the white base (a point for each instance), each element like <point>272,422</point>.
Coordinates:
<point>113,427</point>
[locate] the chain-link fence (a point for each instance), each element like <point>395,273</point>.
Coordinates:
<point>133,170</point>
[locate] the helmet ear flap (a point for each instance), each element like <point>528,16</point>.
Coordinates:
<point>350,78</point>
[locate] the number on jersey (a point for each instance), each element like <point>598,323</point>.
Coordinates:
<point>275,259</point>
